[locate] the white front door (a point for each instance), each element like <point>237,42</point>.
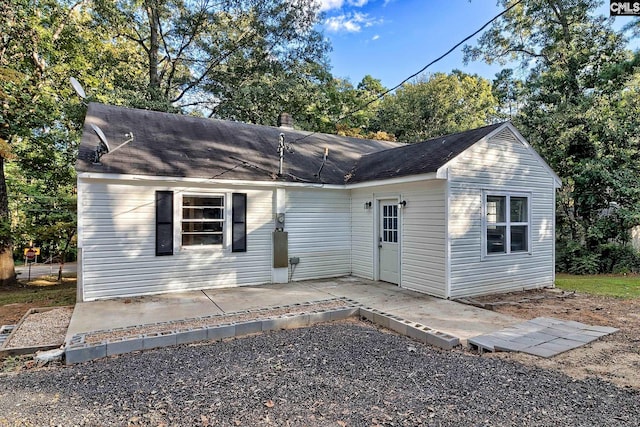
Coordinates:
<point>388,238</point>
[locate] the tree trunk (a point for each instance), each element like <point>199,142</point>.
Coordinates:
<point>154,47</point>
<point>7,268</point>
<point>63,254</point>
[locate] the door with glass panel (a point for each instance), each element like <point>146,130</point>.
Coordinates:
<point>388,241</point>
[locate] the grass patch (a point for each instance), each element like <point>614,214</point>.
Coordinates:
<point>44,290</point>
<point>614,285</point>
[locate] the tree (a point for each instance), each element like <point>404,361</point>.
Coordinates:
<point>30,30</point>
<point>438,105</point>
<point>573,111</point>
<point>217,57</point>
<point>43,44</point>
<point>509,92</point>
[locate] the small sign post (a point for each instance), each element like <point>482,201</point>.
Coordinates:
<point>31,256</point>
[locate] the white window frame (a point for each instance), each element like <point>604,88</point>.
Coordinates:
<point>225,212</point>
<point>507,223</point>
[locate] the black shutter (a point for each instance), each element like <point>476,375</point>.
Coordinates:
<point>164,223</point>
<point>239,223</point>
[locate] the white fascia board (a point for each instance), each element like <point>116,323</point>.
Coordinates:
<point>203,181</point>
<point>391,181</point>
<point>245,183</point>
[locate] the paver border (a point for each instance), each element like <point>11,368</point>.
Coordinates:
<point>77,350</point>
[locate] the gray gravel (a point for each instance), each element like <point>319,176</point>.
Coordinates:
<point>343,374</point>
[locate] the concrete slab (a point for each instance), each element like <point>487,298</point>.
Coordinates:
<point>460,320</point>
<point>123,312</point>
<point>252,297</point>
<point>452,318</point>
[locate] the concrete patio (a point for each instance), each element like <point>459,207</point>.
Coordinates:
<point>453,318</point>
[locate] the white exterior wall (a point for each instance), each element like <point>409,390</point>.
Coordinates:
<point>116,234</point>
<point>422,237</point>
<point>319,225</point>
<point>362,234</point>
<point>501,164</point>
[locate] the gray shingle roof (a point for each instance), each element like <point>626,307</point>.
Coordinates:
<point>183,146</point>
<point>415,159</point>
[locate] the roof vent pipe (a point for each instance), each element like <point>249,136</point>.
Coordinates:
<point>285,121</point>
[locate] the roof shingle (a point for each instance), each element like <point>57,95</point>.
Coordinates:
<point>184,146</point>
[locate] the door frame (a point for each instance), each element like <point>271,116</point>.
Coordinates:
<point>376,235</point>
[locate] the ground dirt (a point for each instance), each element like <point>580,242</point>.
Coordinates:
<point>11,314</point>
<point>614,358</point>
<point>38,293</point>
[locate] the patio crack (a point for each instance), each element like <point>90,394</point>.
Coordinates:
<point>214,303</point>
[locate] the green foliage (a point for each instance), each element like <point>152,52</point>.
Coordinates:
<point>336,106</point>
<point>618,259</point>
<point>438,105</point>
<point>44,43</point>
<point>579,108</point>
<point>509,93</point>
<point>573,258</point>
<point>242,60</point>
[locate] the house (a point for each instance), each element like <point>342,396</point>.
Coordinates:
<point>193,203</point>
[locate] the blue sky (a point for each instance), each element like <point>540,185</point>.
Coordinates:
<point>392,39</point>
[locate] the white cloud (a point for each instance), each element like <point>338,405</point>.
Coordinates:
<point>376,37</point>
<point>326,5</point>
<point>351,23</point>
<point>330,4</point>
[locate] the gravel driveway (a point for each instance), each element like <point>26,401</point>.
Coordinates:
<point>342,374</point>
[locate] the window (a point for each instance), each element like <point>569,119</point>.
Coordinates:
<point>506,223</point>
<point>390,223</point>
<point>202,220</point>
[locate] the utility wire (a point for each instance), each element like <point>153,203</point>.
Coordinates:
<point>383,94</point>
<point>380,96</point>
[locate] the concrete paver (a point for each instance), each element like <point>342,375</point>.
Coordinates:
<point>542,336</point>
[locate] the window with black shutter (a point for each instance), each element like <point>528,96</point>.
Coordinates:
<point>239,223</point>
<point>164,223</point>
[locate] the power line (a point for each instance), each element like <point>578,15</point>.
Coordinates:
<point>383,94</point>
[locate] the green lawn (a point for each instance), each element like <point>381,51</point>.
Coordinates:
<point>44,290</point>
<point>615,285</point>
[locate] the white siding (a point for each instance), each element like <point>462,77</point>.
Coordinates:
<point>319,226</point>
<point>423,234</point>
<point>501,164</point>
<point>117,237</point>
<point>362,237</point>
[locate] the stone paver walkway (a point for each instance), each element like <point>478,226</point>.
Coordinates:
<point>542,336</point>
